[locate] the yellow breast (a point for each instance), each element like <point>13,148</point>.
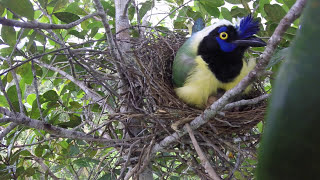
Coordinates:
<point>202,83</point>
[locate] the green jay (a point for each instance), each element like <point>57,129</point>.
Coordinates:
<point>212,59</point>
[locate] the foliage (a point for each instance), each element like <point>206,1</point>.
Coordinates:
<point>292,122</point>
<point>33,67</point>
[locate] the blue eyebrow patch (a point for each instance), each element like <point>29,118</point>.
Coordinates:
<point>222,29</point>
<point>248,27</point>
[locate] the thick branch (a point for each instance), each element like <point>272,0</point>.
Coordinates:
<point>21,119</point>
<point>293,14</point>
<point>37,25</point>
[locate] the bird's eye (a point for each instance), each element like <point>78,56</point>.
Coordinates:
<point>223,35</point>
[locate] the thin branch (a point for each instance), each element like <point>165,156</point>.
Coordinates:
<point>54,130</point>
<point>284,24</point>
<point>172,12</point>
<point>204,161</point>
<point>126,8</point>
<point>32,58</point>
<point>92,94</point>
<point>247,102</point>
<point>7,129</point>
<point>37,25</point>
<point>45,168</point>
<point>124,167</point>
<point>35,84</point>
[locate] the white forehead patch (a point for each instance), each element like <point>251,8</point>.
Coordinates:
<point>198,36</point>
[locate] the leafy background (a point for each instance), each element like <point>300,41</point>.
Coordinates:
<point>26,151</point>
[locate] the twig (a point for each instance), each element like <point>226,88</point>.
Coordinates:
<point>37,25</point>
<point>238,162</point>
<point>45,168</point>
<point>246,102</point>
<point>284,24</point>
<point>172,12</point>
<point>204,161</point>
<point>35,84</point>
<point>124,167</point>
<point>92,94</point>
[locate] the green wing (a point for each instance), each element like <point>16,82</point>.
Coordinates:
<point>183,63</point>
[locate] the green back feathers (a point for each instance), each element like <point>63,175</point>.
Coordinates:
<point>183,63</point>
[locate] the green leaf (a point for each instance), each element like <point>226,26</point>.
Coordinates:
<point>82,162</point>
<point>39,151</point>
<point>64,144</point>
<point>75,120</point>
<point>109,8</point>
<point>226,13</point>
<point>43,3</point>
<point>236,1</point>
<point>31,98</point>
<point>75,105</point>
<point>12,93</point>
<point>106,177</point>
<point>210,3</point>
<point>8,35</point>
<point>212,10</point>
<point>278,56</point>
<point>60,4</point>
<point>74,150</point>
<point>30,171</point>
<point>1,10</point>
<point>274,12</point>
<point>75,9</point>
<point>51,95</point>
<point>66,17</point>
<point>3,101</point>
<point>26,73</point>
<point>146,6</point>
<point>238,12</point>
<point>289,3</point>
<point>25,153</point>
<point>21,7</point>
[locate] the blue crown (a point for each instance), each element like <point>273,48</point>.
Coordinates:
<point>248,27</point>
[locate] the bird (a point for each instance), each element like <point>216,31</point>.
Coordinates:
<point>212,60</point>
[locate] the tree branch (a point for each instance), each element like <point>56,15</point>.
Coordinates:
<point>21,119</point>
<point>284,24</point>
<point>37,25</point>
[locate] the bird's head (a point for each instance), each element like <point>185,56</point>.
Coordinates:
<point>225,37</point>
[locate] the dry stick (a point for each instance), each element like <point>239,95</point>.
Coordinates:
<point>37,25</point>
<point>284,24</point>
<point>204,161</point>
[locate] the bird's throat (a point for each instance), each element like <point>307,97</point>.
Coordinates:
<point>225,66</point>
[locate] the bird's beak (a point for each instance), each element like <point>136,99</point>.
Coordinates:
<point>250,41</point>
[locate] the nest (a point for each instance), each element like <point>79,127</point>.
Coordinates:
<point>155,55</point>
<point>154,99</point>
